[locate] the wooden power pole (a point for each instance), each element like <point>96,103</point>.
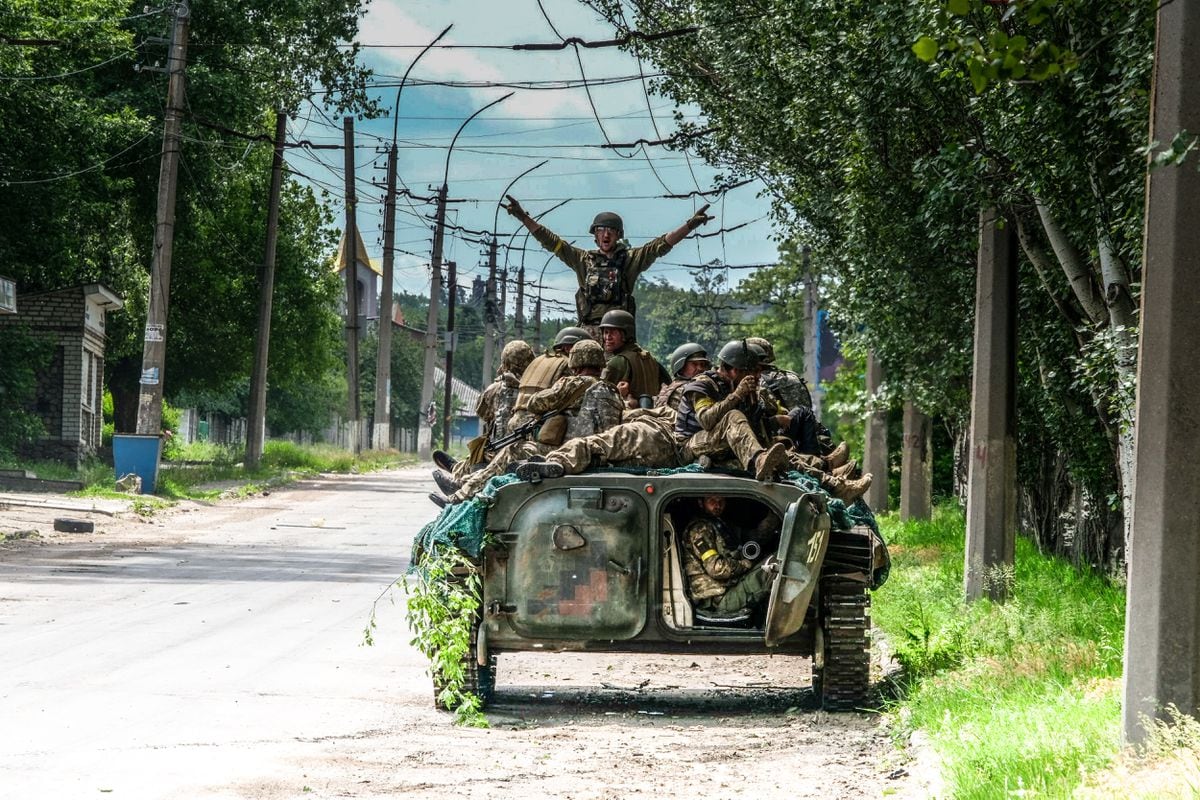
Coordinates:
<point>382,435</point>
<point>154,352</point>
<point>425,430</point>
<point>256,429</point>
<point>448,399</point>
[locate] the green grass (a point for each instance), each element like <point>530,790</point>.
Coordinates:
<point>1020,698</point>
<point>204,471</point>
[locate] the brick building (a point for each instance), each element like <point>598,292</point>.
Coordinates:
<point>69,392</point>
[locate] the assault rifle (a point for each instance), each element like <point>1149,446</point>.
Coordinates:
<point>518,433</point>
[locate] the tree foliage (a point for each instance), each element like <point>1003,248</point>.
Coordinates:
<point>80,138</point>
<point>882,129</point>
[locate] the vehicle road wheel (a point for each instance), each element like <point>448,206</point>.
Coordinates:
<point>477,680</point>
<point>842,670</point>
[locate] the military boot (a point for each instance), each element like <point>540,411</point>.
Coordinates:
<point>838,455</point>
<point>445,482</point>
<point>444,460</point>
<point>845,489</point>
<point>845,470</point>
<point>770,462</point>
<point>803,462</point>
<point>536,471</point>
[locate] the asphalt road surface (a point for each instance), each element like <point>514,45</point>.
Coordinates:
<point>217,652</point>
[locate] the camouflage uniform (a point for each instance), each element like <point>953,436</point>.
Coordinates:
<point>570,394</point>
<point>495,410</point>
<point>712,422</point>
<point>605,281</point>
<point>671,394</point>
<point>645,439</point>
<point>540,374</point>
<point>788,386</point>
<point>718,579</point>
<point>631,363</point>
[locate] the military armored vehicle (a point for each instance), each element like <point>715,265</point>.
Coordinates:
<point>592,563</point>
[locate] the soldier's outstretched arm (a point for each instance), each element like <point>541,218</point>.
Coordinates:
<point>695,221</point>
<point>514,208</point>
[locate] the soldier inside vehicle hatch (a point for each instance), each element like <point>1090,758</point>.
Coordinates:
<point>724,574</point>
<point>607,274</point>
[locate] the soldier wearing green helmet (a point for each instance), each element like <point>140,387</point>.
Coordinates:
<point>636,374</point>
<point>687,361</point>
<point>607,274</point>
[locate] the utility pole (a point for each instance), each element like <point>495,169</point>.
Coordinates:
<point>537,317</point>
<point>256,427</point>
<point>448,401</point>
<point>501,327</point>
<point>350,260</point>
<point>489,318</point>
<point>425,431</point>
<point>382,435</point>
<point>154,351</point>
<point>519,313</point>
<point>812,360</point>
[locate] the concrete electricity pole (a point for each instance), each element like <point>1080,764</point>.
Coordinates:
<point>383,366</point>
<point>489,318</point>
<point>812,360</point>
<point>425,429</point>
<point>381,436</point>
<point>154,351</point>
<point>256,427</point>
<point>425,432</point>
<point>350,261</point>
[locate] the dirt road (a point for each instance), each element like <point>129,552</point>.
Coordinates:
<point>215,652</point>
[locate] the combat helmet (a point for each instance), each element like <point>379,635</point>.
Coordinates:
<point>684,353</point>
<point>738,354</point>
<point>587,353</point>
<point>515,357</point>
<point>621,320</point>
<point>607,219</point>
<point>569,336</point>
<point>766,346</point>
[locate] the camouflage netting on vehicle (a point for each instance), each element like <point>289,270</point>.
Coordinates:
<point>462,525</point>
<point>459,525</point>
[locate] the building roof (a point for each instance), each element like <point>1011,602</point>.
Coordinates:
<point>466,396</point>
<point>360,252</point>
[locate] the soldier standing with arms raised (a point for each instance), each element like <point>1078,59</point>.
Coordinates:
<point>607,274</point>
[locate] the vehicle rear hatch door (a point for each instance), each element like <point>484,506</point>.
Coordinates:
<point>802,544</point>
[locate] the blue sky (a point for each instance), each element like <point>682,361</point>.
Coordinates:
<point>531,126</point>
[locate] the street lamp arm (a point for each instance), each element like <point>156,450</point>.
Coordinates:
<point>500,202</point>
<point>396,115</point>
<point>450,149</point>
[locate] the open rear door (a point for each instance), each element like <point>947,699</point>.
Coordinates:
<point>802,544</point>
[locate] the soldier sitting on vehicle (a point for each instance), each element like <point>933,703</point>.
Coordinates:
<point>636,374</point>
<point>722,579</point>
<point>494,409</point>
<point>713,421</point>
<point>687,361</point>
<point>608,274</point>
<point>545,370</point>
<point>645,437</point>
<point>575,406</point>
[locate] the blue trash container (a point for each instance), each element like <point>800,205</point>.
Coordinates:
<point>138,453</point>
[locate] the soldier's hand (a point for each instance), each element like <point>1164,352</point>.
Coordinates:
<point>699,218</point>
<point>514,208</point>
<point>623,388</point>
<point>747,387</point>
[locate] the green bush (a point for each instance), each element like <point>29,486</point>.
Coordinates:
<point>22,357</point>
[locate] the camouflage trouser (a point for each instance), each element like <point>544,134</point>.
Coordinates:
<point>748,592</point>
<point>640,443</point>
<point>501,461</point>
<point>733,434</point>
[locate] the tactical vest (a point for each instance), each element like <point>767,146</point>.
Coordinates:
<point>541,374</point>
<point>502,406</point>
<point>707,384</point>
<point>603,286</point>
<point>789,387</point>
<point>672,394</point>
<point>645,374</point>
<point>599,410</point>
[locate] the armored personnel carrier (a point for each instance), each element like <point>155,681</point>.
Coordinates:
<point>593,562</point>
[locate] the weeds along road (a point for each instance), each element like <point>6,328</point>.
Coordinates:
<point>216,651</point>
